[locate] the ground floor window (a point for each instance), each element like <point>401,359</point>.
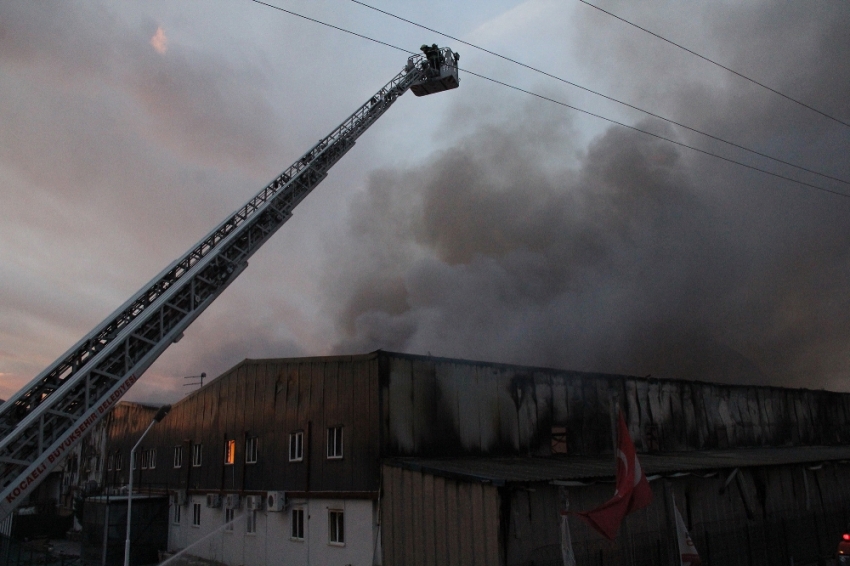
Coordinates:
<point>228,519</point>
<point>251,527</point>
<point>336,527</point>
<point>175,515</point>
<point>298,524</point>
<point>196,515</point>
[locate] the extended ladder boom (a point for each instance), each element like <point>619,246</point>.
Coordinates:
<point>40,424</point>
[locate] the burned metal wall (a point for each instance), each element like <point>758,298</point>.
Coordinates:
<point>269,399</point>
<point>434,406</point>
<point>402,405</point>
<point>428,520</point>
<point>737,517</point>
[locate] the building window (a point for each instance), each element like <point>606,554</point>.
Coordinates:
<point>110,462</point>
<point>559,440</point>
<point>251,526</point>
<point>178,456</point>
<point>251,450</point>
<point>175,515</point>
<point>118,461</point>
<point>196,514</point>
<point>336,527</point>
<point>228,519</point>
<point>149,459</point>
<point>229,451</point>
<point>335,442</point>
<point>296,446</point>
<point>134,460</point>
<point>297,524</point>
<point>197,451</point>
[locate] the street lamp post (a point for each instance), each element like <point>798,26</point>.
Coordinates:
<point>157,417</point>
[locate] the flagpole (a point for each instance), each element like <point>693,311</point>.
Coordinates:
<point>615,414</point>
<point>670,508</point>
<point>568,557</point>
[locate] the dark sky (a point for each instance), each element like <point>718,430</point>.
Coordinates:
<point>482,223</point>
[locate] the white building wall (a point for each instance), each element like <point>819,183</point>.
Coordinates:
<point>272,545</point>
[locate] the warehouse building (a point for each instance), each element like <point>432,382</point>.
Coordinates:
<point>389,458</point>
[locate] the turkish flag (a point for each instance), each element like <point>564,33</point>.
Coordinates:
<point>632,493</point>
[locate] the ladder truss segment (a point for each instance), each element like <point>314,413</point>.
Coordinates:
<point>41,423</point>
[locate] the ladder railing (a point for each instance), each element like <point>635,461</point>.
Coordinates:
<point>43,421</point>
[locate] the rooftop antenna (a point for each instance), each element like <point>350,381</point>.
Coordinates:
<point>200,379</point>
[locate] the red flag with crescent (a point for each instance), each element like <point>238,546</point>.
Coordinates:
<point>632,493</point>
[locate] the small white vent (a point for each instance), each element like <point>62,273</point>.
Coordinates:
<point>179,497</point>
<point>232,501</point>
<point>213,500</point>
<point>254,502</point>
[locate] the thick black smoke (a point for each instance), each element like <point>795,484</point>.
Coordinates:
<point>630,255</point>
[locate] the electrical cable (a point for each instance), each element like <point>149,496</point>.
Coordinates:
<point>291,13</point>
<point>659,136</point>
<point>704,58</point>
<point>564,104</point>
<point>605,96</point>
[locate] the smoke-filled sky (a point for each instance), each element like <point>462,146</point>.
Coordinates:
<point>480,223</point>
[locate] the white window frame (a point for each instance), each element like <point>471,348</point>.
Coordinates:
<point>196,515</point>
<point>336,527</point>
<point>178,457</point>
<point>118,461</point>
<point>229,514</point>
<point>148,459</point>
<point>251,449</point>
<point>296,520</point>
<point>296,446</point>
<point>175,516</point>
<point>230,452</point>
<point>134,459</point>
<point>197,455</point>
<point>335,442</point>
<point>251,522</point>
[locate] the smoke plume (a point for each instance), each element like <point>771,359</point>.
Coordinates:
<point>630,255</point>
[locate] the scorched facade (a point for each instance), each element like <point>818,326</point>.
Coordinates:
<point>360,459</point>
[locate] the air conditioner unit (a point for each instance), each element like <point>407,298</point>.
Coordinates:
<point>232,501</point>
<point>276,501</point>
<point>179,497</point>
<point>213,500</point>
<point>254,502</point>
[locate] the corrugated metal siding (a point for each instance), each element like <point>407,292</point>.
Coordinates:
<point>436,406</point>
<point>429,521</point>
<point>123,427</point>
<point>762,518</point>
<point>501,470</point>
<point>268,399</point>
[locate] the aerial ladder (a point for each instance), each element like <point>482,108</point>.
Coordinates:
<point>41,423</point>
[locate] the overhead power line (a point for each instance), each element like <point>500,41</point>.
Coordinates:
<point>659,136</point>
<point>713,62</point>
<point>607,97</point>
<point>291,13</point>
<point>565,105</point>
